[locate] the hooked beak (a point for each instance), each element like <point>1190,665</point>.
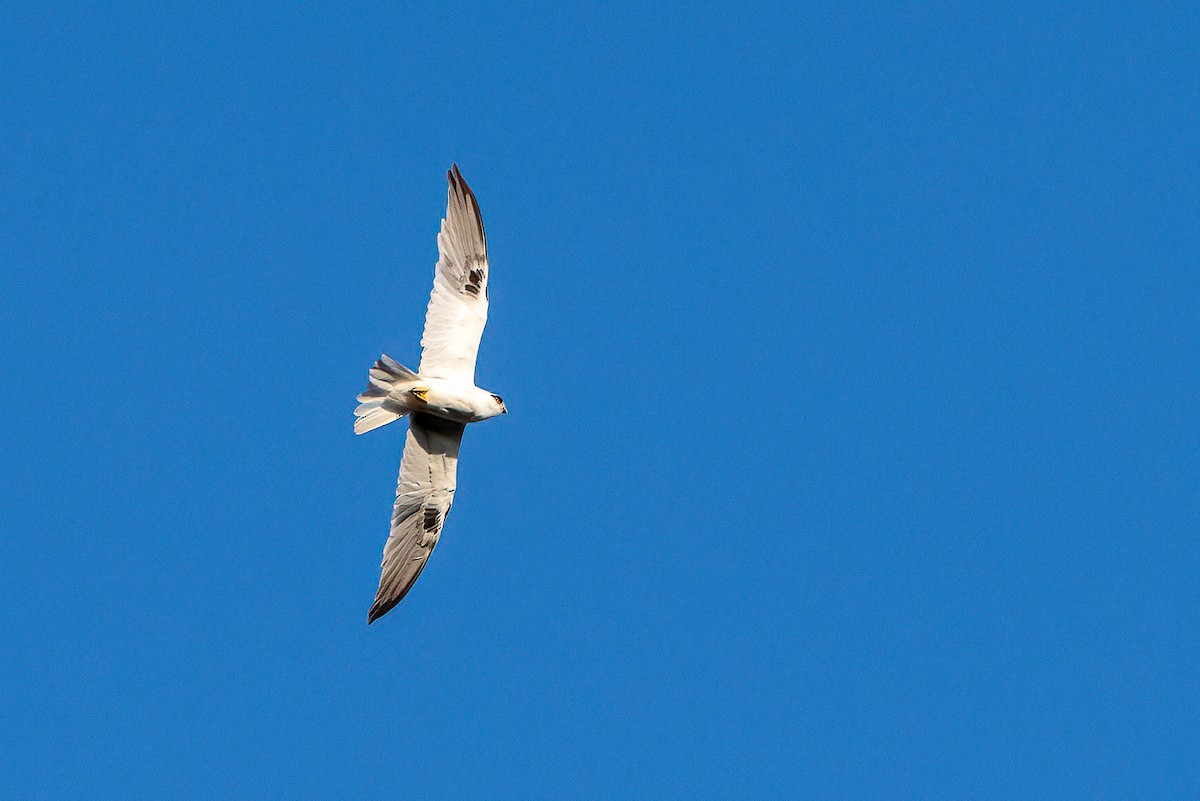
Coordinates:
<point>503,409</point>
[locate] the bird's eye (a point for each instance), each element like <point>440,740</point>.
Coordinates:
<point>498,399</point>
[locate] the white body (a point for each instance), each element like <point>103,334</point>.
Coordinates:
<point>450,399</point>
<point>454,400</point>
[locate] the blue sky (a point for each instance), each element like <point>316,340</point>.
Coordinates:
<point>851,353</point>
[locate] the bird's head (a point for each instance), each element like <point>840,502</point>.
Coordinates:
<point>500,404</point>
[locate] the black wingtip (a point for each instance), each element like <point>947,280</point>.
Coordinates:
<point>459,184</point>
<point>378,610</point>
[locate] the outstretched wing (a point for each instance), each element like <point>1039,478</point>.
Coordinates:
<point>423,498</point>
<point>458,305</point>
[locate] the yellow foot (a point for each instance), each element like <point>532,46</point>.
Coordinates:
<point>419,393</point>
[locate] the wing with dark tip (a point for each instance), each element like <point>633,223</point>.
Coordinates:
<point>423,498</point>
<point>458,305</point>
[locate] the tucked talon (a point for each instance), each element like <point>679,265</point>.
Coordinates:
<point>419,393</point>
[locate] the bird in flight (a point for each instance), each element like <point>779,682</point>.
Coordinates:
<point>440,397</point>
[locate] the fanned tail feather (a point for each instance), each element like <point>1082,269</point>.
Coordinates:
<point>376,405</point>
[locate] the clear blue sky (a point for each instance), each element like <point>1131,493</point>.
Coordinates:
<point>852,358</point>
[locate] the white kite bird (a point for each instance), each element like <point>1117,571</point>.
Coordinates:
<point>441,396</point>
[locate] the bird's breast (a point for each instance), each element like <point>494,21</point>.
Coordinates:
<point>448,400</point>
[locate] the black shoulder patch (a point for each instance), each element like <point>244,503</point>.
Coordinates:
<point>436,424</point>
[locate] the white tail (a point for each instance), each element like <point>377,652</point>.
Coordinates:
<point>376,405</point>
